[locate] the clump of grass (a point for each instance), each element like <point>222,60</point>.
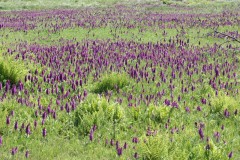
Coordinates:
<point>221,102</point>
<point>112,81</point>
<point>166,145</point>
<point>154,148</point>
<point>158,113</point>
<point>98,111</point>
<point>12,70</point>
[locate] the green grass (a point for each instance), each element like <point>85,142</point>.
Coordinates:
<point>12,70</point>
<point>217,5</point>
<point>53,4</point>
<point>195,35</point>
<point>111,82</point>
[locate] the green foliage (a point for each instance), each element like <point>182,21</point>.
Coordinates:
<point>3,114</point>
<point>165,146</point>
<point>215,152</point>
<point>166,2</point>
<point>96,110</point>
<point>155,148</point>
<point>158,113</point>
<point>135,113</point>
<point>112,81</point>
<point>118,114</point>
<point>206,90</point>
<point>222,101</point>
<point>11,69</point>
<point>52,4</point>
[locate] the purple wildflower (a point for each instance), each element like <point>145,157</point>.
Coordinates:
<point>91,135</point>
<point>119,151</point>
<point>175,104</point>
<point>14,151</point>
<point>204,101</point>
<point>135,140</point>
<point>12,113</point>
<point>199,108</point>
<point>28,131</point>
<point>35,124</point>
<point>112,142</point>
<point>200,131</point>
<point>217,135</point>
<point>16,125</point>
<point>117,144</point>
<point>27,154</point>
<point>222,127</point>
<point>226,113</point>
<point>136,155</point>
<point>230,155</point>
<point>44,132</point>
<point>187,109</point>
<point>8,120</point>
<point>125,145</point>
<point>85,93</point>
<point>1,140</point>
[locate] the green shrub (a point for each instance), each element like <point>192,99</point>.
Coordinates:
<point>96,110</point>
<point>221,102</point>
<point>12,70</point>
<point>158,113</point>
<point>154,148</point>
<point>166,2</point>
<point>206,90</point>
<point>112,82</point>
<point>167,146</point>
<point>135,112</point>
<point>66,127</point>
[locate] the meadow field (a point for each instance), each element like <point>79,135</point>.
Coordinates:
<point>148,80</point>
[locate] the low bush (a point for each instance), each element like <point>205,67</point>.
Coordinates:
<point>12,70</point>
<point>158,113</point>
<point>113,81</point>
<point>221,102</point>
<point>96,111</point>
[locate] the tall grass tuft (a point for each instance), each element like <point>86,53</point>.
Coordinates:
<point>112,81</point>
<point>221,102</point>
<point>12,70</point>
<point>154,148</point>
<point>98,111</point>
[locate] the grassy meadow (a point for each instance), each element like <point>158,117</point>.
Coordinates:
<point>149,80</point>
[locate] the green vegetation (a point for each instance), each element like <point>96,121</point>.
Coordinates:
<point>11,70</point>
<point>146,89</point>
<point>111,82</point>
<point>53,4</point>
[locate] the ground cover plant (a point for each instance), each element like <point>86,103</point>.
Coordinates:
<point>149,80</point>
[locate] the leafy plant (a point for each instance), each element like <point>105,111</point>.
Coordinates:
<point>96,111</point>
<point>112,81</point>
<point>158,113</point>
<point>154,148</point>
<point>221,102</point>
<point>12,70</point>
